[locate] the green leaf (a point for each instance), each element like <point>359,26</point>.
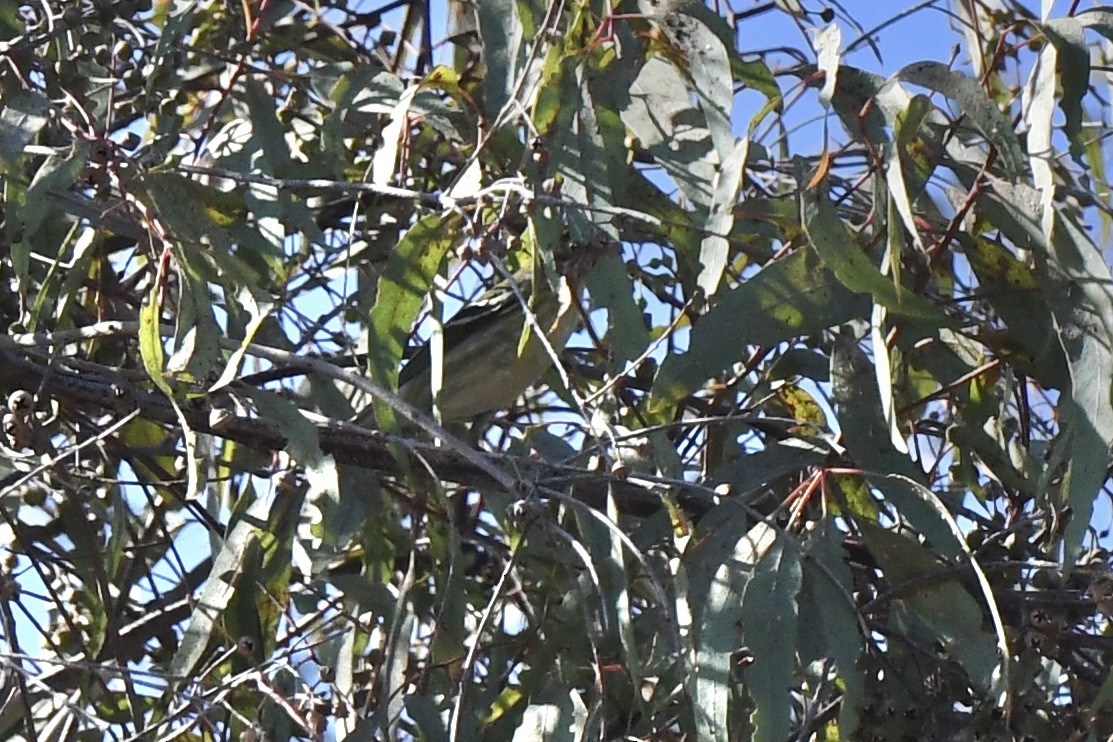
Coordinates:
<point>267,135</point>
<point>303,445</point>
<point>933,603</point>
<point>173,27</point>
<point>1017,294</point>
<point>1082,304</point>
<point>755,74</point>
<point>856,100</point>
<point>30,216</point>
<point>827,600</point>
<point>905,131</point>
<point>608,283</point>
<point>548,107</point>
<point>196,332</point>
<point>402,290</point>
<point>604,551</point>
<point>995,457</point>
<point>715,249</point>
<point>277,542</point>
<point>428,716</point>
<point>500,31</point>
<point>452,598</point>
<point>770,600</point>
<point>150,339</point>
<point>801,362</point>
<point>11,22</point>
<point>222,586</point>
<point>23,114</point>
<point>88,567</point>
<point>1073,66</point>
<point>747,472</point>
<point>396,659</point>
<point>720,568</point>
<point>831,240</point>
<point>709,68</point>
<point>586,146</point>
<point>210,228</point>
<point>790,298</point>
<point>866,434</point>
<point>972,101</point>
<point>260,309</point>
<point>661,115</point>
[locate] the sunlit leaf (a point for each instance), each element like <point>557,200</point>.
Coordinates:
<point>721,569</point>
<point>826,43</point>
<point>666,123</point>
<point>715,249</point>
<point>402,291</point>
<point>1083,311</point>
<point>708,65</point>
<point>790,298</point>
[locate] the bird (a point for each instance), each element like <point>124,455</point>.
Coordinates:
<point>486,364</point>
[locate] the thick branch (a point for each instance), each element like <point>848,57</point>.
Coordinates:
<point>350,444</point>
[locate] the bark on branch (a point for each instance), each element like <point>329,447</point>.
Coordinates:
<point>350,444</point>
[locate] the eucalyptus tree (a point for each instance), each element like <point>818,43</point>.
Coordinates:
<point>827,455</point>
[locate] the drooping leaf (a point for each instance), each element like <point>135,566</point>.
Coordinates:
<point>221,589</point>
<point>867,438</point>
<point>150,339</point>
<point>1082,304</point>
<point>827,604</point>
<point>770,600</point>
<point>196,332</point>
<point>900,186</point>
<point>588,151</point>
<point>708,64</point>
<point>715,249</point>
<point>1015,292</point>
<point>1073,67</point>
<point>267,135</point>
<point>609,285</point>
<point>501,32</point>
<point>402,291</point>
<point>666,123</point>
<point>720,570</point>
<point>934,604</point>
<point>826,44</point>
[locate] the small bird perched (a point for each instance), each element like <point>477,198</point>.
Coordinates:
<point>486,365</point>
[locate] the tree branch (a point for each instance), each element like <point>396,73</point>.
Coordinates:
<point>356,446</point>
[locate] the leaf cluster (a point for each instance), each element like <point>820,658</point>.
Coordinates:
<point>829,456</point>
